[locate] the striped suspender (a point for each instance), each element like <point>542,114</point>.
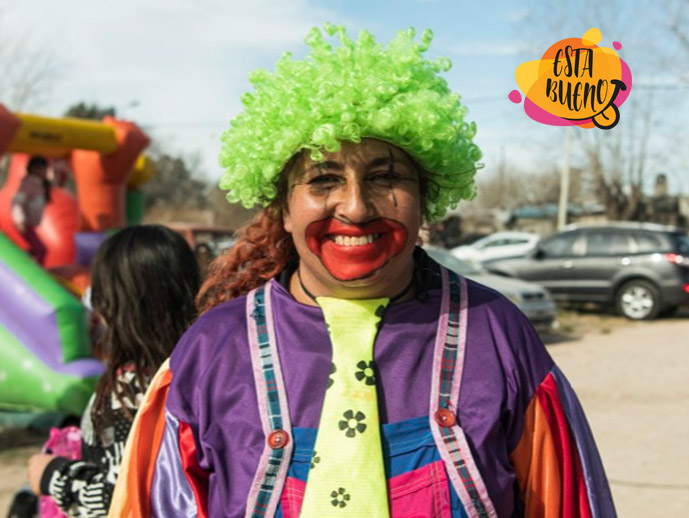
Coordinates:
<point>269,480</point>
<point>448,363</point>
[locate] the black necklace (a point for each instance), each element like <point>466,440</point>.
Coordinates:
<point>392,299</point>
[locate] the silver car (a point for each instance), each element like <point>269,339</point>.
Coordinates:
<point>531,298</point>
<point>501,245</point>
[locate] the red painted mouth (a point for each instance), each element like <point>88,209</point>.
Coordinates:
<point>351,252</point>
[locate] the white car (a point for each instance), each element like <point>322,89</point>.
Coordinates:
<point>500,245</point>
<point>532,299</point>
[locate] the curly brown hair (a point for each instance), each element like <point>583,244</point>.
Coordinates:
<point>262,252</point>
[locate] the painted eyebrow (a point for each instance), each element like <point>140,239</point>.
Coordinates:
<point>329,164</point>
<point>375,162</point>
<point>384,160</point>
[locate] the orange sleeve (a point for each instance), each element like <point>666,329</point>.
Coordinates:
<point>536,466</point>
<point>546,460</point>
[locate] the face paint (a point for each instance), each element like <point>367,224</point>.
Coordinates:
<point>354,217</point>
<point>391,170</point>
<point>351,252</point>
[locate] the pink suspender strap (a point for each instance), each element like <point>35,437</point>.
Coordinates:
<point>448,362</point>
<point>269,480</point>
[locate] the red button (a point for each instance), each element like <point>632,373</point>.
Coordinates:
<point>278,439</point>
<point>445,417</point>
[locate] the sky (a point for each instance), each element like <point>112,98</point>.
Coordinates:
<point>179,67</point>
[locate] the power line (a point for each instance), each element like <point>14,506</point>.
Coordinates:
<point>486,98</point>
<point>678,86</point>
<point>181,124</point>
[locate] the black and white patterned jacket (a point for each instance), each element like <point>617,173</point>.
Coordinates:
<point>83,488</point>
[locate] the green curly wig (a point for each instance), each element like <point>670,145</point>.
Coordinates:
<point>359,89</point>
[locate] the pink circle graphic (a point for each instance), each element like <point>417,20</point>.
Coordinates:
<point>515,96</point>
<point>616,45</point>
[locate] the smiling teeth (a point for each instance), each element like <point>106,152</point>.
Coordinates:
<point>354,240</point>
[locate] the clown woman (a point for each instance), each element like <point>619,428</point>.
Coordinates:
<point>337,370</point>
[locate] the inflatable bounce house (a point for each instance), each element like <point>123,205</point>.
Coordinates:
<point>47,362</point>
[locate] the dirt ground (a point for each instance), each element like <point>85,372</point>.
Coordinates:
<point>633,381</point>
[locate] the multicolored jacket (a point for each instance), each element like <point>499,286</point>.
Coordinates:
<point>476,419</point>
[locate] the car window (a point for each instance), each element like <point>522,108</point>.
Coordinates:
<point>487,244</point>
<point>607,243</point>
<point>483,242</point>
<point>683,243</point>
<point>497,242</point>
<point>203,236</point>
<point>559,245</point>
<point>649,242</point>
<point>223,242</point>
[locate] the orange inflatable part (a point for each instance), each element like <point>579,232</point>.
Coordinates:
<point>16,172</point>
<point>74,277</point>
<point>101,179</point>
<point>9,124</point>
<point>59,223</point>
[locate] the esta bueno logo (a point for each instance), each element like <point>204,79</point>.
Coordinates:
<point>575,83</point>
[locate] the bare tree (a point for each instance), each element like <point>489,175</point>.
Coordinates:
<point>230,215</point>
<point>677,18</point>
<point>93,111</point>
<point>504,189</point>
<point>510,187</point>
<point>178,181</point>
<point>616,162</point>
<point>29,70</point>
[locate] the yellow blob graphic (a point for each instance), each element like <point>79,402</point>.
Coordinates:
<point>592,37</point>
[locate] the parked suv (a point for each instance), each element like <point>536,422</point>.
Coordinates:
<point>642,269</point>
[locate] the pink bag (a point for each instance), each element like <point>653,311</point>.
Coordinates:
<point>65,442</point>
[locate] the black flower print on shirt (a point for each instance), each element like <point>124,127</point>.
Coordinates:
<point>315,459</point>
<point>333,370</point>
<point>352,423</point>
<point>340,497</point>
<point>365,372</point>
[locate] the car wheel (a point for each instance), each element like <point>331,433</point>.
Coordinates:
<point>638,300</point>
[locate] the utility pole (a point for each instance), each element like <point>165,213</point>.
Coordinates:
<point>564,181</point>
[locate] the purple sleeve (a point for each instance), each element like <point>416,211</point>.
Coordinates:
<point>171,493</point>
<point>213,395</point>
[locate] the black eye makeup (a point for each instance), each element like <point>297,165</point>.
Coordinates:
<point>381,175</point>
<point>321,179</point>
<point>395,171</point>
<point>325,179</point>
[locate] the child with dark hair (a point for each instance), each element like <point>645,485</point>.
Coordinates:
<point>29,203</point>
<point>144,280</point>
